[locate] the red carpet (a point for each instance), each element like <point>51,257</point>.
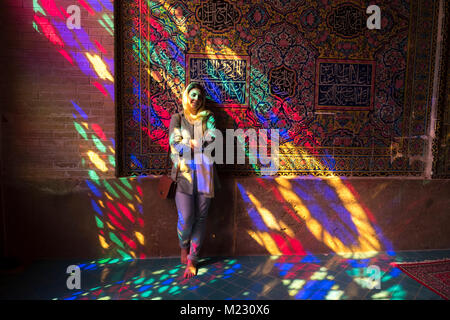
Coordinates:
<point>435,275</point>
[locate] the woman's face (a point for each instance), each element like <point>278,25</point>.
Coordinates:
<point>195,99</point>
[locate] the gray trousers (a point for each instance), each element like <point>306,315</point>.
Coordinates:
<point>192,213</point>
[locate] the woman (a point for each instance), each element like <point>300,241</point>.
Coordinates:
<point>190,132</point>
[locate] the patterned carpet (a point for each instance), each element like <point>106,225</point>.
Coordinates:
<point>435,275</point>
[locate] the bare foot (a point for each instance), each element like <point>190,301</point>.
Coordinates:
<point>184,254</point>
<point>191,270</point>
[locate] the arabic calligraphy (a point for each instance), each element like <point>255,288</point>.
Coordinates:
<point>217,16</point>
<point>347,21</point>
<point>282,82</point>
<point>225,80</point>
<point>345,84</point>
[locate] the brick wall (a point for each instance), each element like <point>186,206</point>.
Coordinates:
<point>43,78</point>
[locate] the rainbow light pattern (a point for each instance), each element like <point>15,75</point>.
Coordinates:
<point>118,207</point>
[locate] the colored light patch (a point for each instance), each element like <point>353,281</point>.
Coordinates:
<point>100,146</point>
<point>94,177</point>
<point>97,161</point>
<point>130,242</point>
<point>66,55</point>
<point>87,7</point>
<point>140,237</point>
<point>162,289</point>
<point>125,182</point>
<point>106,27</point>
<point>99,223</point>
<point>168,281</point>
<point>103,242</point>
<point>38,8</point>
<point>108,196</point>
<point>123,191</point>
<point>110,189</point>
<point>125,255</point>
<point>116,240</point>
<point>108,20</point>
<point>147,294</point>
<point>112,160</point>
<point>80,130</point>
<point>94,4</point>
<point>252,212</point>
<point>126,212</point>
<point>96,207</point>
<point>104,260</point>
<point>48,30</point>
<point>93,188</point>
<point>99,67</point>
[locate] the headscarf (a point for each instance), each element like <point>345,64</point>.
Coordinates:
<point>202,114</point>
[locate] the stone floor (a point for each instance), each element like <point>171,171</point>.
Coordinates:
<point>314,277</point>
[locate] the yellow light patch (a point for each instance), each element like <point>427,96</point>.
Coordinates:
<point>108,196</point>
<point>100,67</point>
<point>95,159</point>
<point>140,237</point>
<point>103,242</point>
<point>255,237</point>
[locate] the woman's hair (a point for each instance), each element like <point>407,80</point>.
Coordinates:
<point>191,86</point>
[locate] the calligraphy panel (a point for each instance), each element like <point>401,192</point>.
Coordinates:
<point>225,78</point>
<point>344,84</point>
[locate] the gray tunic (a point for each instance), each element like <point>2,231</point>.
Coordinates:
<point>176,141</point>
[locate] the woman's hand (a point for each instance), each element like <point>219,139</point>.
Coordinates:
<point>193,143</point>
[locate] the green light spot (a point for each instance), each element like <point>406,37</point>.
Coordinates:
<point>100,146</point>
<point>99,222</point>
<point>353,272</point>
<point>104,260</point>
<point>80,130</point>
<point>164,277</point>
<point>36,27</point>
<point>110,189</point>
<point>174,270</point>
<point>126,183</point>
<point>162,289</point>
<point>149,281</point>
<point>116,240</point>
<point>94,177</point>
<point>124,192</point>
<point>114,261</point>
<point>138,281</point>
<point>108,21</point>
<point>146,294</point>
<point>124,255</point>
<point>173,289</point>
<point>112,160</point>
<point>38,8</point>
<point>104,26</point>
